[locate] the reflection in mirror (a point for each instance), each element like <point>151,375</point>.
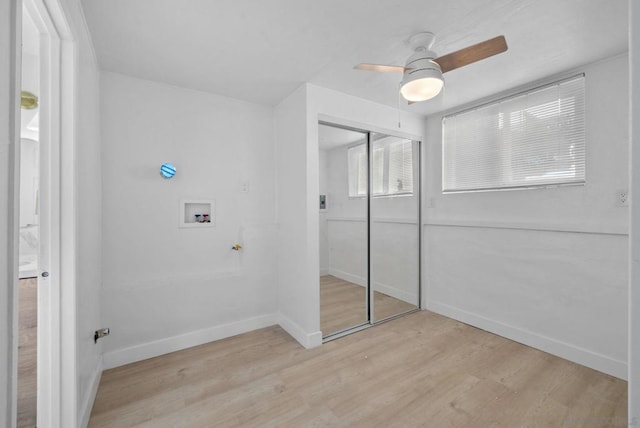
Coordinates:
<point>343,229</point>
<point>394,229</point>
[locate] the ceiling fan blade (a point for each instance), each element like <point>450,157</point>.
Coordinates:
<point>380,67</point>
<point>472,54</point>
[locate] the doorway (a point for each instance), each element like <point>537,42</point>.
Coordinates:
<point>29,228</point>
<point>47,126</point>
<point>369,228</point>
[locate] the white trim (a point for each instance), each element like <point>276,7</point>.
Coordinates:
<point>377,286</point>
<point>333,120</point>
<point>565,350</point>
<point>159,347</point>
<point>90,398</point>
<point>396,220</point>
<point>352,219</point>
<point>633,352</point>
<point>10,206</point>
<point>595,229</point>
<point>68,228</point>
<point>308,340</point>
<point>396,293</point>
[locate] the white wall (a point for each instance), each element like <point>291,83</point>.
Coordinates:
<point>9,134</point>
<point>545,267</point>
<point>395,258</point>
<point>296,291</point>
<point>346,230</point>
<point>165,287</point>
<point>634,283</point>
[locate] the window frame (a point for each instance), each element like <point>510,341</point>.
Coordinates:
<point>504,98</point>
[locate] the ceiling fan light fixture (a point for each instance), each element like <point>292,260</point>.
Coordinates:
<point>423,83</point>
<point>421,89</point>
<point>422,79</point>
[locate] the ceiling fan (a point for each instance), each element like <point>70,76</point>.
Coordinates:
<point>422,74</point>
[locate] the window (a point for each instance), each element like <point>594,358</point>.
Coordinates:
<point>357,167</point>
<point>391,167</point>
<point>400,167</point>
<point>528,140</point>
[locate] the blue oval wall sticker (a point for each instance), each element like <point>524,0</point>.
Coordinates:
<point>167,170</point>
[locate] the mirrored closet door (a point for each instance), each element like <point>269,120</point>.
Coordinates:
<point>343,229</point>
<point>369,225</point>
<point>394,229</point>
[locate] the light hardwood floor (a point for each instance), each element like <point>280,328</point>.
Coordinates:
<point>343,305</point>
<point>419,370</point>
<point>27,339</point>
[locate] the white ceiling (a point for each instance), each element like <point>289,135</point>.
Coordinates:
<point>260,51</point>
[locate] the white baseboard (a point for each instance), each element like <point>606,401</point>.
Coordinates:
<point>564,350</point>
<point>396,293</point>
<point>324,271</point>
<point>87,405</point>
<point>155,348</point>
<point>382,288</point>
<point>308,340</point>
<point>345,276</point>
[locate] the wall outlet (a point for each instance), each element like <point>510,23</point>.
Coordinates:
<point>244,187</point>
<point>622,198</point>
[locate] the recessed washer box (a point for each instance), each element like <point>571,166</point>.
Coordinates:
<point>197,213</point>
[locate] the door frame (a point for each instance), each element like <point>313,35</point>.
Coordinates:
<point>367,130</point>
<point>56,354</point>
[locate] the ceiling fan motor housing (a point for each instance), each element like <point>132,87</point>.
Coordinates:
<point>422,57</point>
<point>421,60</point>
<point>422,78</point>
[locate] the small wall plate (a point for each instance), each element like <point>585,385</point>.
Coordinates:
<point>323,203</point>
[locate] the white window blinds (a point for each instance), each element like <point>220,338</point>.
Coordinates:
<point>400,167</point>
<point>392,170</point>
<point>534,139</point>
<point>377,170</point>
<point>357,167</point>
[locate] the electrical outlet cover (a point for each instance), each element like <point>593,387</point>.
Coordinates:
<point>622,198</point>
